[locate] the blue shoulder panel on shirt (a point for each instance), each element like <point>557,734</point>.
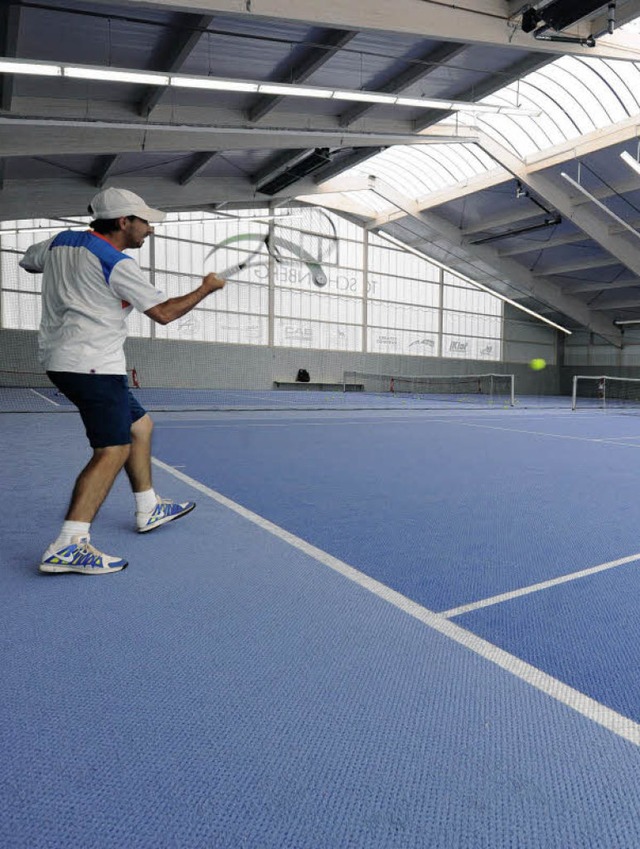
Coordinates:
<point>108,255</point>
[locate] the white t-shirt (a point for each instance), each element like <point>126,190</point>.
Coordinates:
<point>89,288</point>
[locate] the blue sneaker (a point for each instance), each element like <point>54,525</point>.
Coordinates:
<point>80,556</point>
<point>164,511</point>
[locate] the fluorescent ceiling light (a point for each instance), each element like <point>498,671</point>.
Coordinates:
<point>424,103</point>
<point>124,75</point>
<point>365,96</point>
<point>9,66</point>
<point>461,106</point>
<point>213,83</point>
<point>294,90</point>
<point>115,75</point>
<point>599,204</point>
<point>631,162</point>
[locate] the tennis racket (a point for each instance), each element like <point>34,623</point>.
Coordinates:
<point>309,237</point>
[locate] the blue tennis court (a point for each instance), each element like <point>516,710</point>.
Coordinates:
<point>379,628</point>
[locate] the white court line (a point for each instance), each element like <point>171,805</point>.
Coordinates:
<point>411,419</point>
<point>602,440</point>
<point>621,441</point>
<point>40,395</point>
<point>563,693</point>
<point>534,588</point>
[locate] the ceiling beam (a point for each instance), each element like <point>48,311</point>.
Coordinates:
<point>198,164</point>
<point>108,167</point>
<point>39,136</point>
<point>619,303</point>
<point>300,69</point>
<point>67,197</point>
<point>482,22</point>
<point>183,37</point>
<point>577,265</point>
<point>531,245</point>
<point>519,213</point>
<point>418,68</point>
<point>599,286</point>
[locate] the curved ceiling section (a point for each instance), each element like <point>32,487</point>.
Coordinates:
<point>574,96</point>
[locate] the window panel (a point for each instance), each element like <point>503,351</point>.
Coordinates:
<point>402,317</point>
<point>317,306</point>
<point>20,311</point>
<point>138,324</point>
<point>470,348</point>
<point>470,324</point>
<point>295,333</point>
<point>382,340</point>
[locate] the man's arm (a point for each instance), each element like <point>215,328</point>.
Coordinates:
<point>34,257</point>
<point>174,308</point>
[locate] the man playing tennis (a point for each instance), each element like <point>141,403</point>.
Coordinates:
<point>89,287</point>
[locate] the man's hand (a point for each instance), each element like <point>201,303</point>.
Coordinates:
<point>175,308</point>
<point>212,282</point>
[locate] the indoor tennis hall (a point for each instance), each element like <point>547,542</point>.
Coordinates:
<point>404,612</point>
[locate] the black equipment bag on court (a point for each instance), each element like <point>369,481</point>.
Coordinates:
<point>303,376</point>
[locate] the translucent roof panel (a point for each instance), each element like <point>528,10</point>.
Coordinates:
<point>574,96</point>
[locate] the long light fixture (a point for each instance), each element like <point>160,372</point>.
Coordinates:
<point>475,283</point>
<point>115,76</point>
<point>631,162</point>
<point>37,69</point>
<point>212,83</point>
<point>599,204</point>
<point>124,75</point>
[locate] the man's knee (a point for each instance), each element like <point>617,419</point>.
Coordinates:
<point>142,427</point>
<point>114,455</point>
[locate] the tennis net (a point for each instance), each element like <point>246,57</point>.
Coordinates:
<point>474,389</point>
<point>605,391</point>
<point>32,392</point>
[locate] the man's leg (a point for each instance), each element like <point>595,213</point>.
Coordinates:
<point>72,551</point>
<point>151,511</point>
<point>138,465</point>
<point>95,481</point>
<point>103,405</point>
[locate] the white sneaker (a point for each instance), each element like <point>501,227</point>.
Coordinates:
<point>165,511</point>
<point>80,556</point>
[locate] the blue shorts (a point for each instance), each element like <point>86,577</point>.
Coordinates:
<point>107,407</point>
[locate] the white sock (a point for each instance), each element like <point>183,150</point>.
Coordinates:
<point>145,501</point>
<point>69,530</point>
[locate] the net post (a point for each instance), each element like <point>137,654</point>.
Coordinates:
<point>513,390</point>
<point>574,392</point>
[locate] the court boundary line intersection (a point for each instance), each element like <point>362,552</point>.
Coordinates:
<point>620,725</point>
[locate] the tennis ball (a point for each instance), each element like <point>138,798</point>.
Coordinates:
<point>537,364</point>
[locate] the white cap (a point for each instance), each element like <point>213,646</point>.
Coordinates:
<point>115,203</point>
